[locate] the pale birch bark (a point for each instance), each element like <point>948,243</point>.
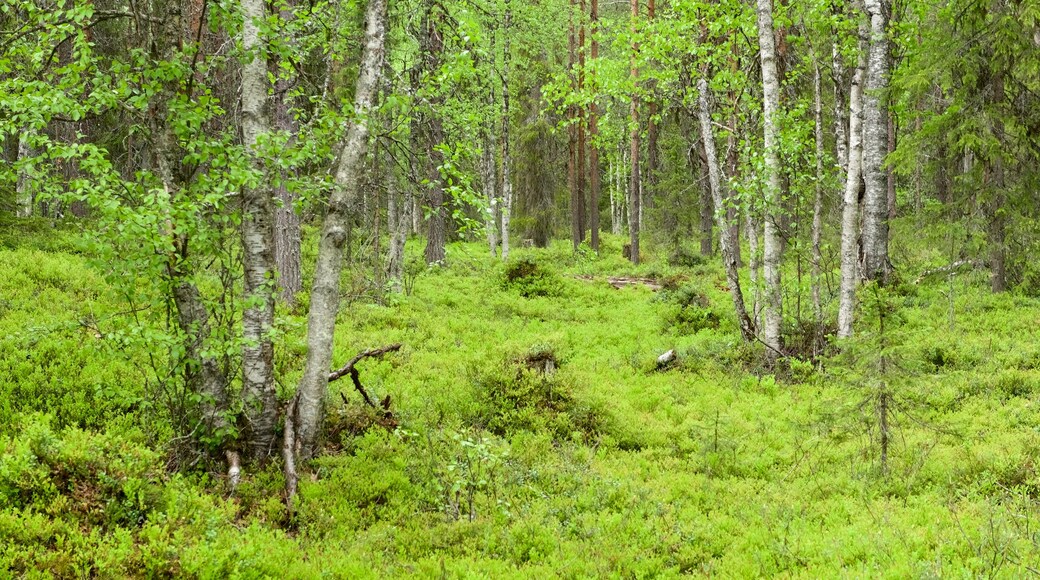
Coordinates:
<point>259,397</point>
<point>841,138</point>
<point>23,186</point>
<point>489,167</point>
<point>726,239</point>
<point>594,168</point>
<point>850,207</point>
<point>635,211</point>
<point>771,243</point>
<point>875,147</point>
<point>324,306</point>
<point>507,157</point>
<point>397,224</point>
<point>817,218</point>
<point>489,180</point>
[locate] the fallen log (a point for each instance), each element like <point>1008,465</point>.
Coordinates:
<point>620,282</point>
<point>949,269</point>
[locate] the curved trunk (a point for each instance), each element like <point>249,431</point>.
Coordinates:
<point>726,238</point>
<point>321,319</point>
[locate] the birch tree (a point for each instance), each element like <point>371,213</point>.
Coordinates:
<point>771,243</point>
<point>727,239</point>
<point>307,409</point>
<point>850,203</point>
<point>875,147</point>
<point>259,397</point>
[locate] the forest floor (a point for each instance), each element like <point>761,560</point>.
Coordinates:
<point>605,465</point>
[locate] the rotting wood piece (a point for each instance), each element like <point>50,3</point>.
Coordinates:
<point>620,282</point>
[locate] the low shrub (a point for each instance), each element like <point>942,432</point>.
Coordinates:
<point>529,279</point>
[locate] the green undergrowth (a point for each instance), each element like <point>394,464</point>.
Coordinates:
<point>537,437</point>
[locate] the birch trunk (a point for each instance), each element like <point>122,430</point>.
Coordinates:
<point>397,224</point>
<point>875,146</point>
<point>635,212</point>
<point>507,158</point>
<point>850,207</point>
<point>817,218</point>
<point>594,168</point>
<point>489,181</point>
<point>771,243</point>
<point>259,397</point>
<point>726,240</point>
<point>841,138</point>
<point>23,187</point>
<point>321,319</point>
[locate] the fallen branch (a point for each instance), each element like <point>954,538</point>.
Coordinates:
<point>620,282</point>
<point>949,269</point>
<point>355,377</point>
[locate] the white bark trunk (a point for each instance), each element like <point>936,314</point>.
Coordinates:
<point>507,160</point>
<point>875,148</point>
<point>259,397</point>
<point>771,251</point>
<point>726,239</point>
<point>817,218</point>
<point>321,320</point>
<point>23,187</point>
<point>397,221</point>
<point>850,207</point>
<point>489,181</point>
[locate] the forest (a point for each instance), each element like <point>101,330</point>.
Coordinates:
<point>519,288</point>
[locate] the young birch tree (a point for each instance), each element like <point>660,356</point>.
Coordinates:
<point>772,251</point>
<point>259,397</point>
<point>308,407</point>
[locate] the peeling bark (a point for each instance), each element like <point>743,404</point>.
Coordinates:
<point>875,146</point>
<point>259,397</point>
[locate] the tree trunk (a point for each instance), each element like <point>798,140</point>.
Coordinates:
<point>489,180</point>
<point>432,47</point>
<point>850,207</point>
<point>652,131</point>
<point>507,157</point>
<point>287,237</point>
<point>634,186</point>
<point>397,224</point>
<point>841,138</point>
<point>875,145</point>
<point>582,138</point>
<point>771,251</point>
<point>321,319</point>
<point>594,168</point>
<point>817,219</point>
<point>726,240</point>
<point>259,397</point>
<point>23,187</point>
